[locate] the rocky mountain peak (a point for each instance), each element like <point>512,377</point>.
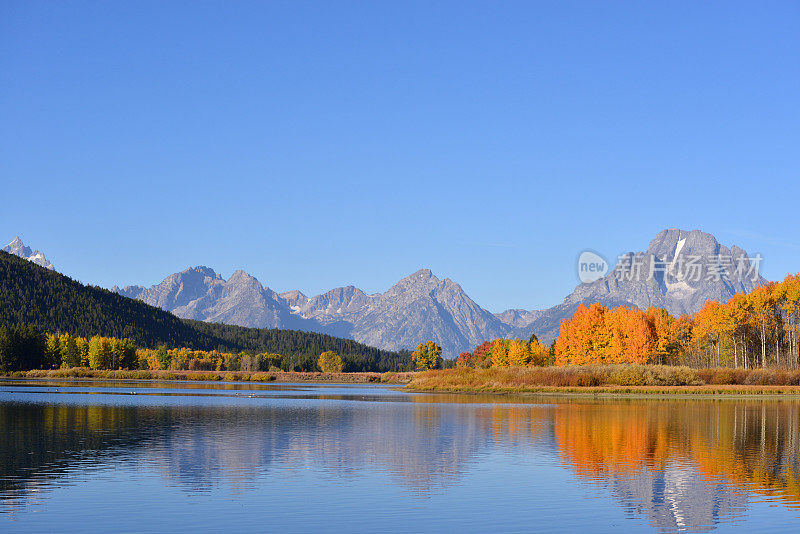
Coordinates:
<point>420,281</point>
<point>201,270</point>
<point>518,318</point>
<point>295,299</point>
<point>421,306</point>
<point>241,277</point>
<point>680,271</point>
<point>18,248</point>
<point>673,242</point>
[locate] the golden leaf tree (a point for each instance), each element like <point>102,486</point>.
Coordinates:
<point>427,356</point>
<point>330,362</point>
<point>518,353</point>
<point>499,353</point>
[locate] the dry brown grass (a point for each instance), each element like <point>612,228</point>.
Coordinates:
<point>756,377</point>
<point>645,379</point>
<point>227,376</point>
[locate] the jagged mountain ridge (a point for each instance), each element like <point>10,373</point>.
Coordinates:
<point>673,285</point>
<point>18,248</point>
<point>421,306</point>
<point>342,303</point>
<point>519,318</point>
<point>200,293</point>
<point>418,306</point>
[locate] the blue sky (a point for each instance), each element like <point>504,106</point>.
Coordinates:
<point>319,144</point>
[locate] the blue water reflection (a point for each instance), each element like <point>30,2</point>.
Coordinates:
<point>297,458</point>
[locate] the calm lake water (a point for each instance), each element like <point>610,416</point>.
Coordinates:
<point>138,457</point>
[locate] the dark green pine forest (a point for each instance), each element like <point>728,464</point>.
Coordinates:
<point>34,296</point>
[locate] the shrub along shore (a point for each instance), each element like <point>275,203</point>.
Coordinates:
<point>215,376</point>
<point>616,379</point>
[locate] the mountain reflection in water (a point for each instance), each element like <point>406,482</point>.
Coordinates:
<point>678,464</point>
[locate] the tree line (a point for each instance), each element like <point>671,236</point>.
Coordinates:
<point>755,330</point>
<point>507,353</point>
<point>33,295</point>
<point>24,348</point>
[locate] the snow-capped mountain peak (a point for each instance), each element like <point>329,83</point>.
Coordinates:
<point>18,248</point>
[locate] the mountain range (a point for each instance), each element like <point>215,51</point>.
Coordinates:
<point>418,307</point>
<point>33,295</point>
<point>421,306</point>
<point>678,272</point>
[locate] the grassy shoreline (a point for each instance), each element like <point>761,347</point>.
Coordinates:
<point>625,391</point>
<point>618,380</point>
<point>581,381</point>
<point>82,373</point>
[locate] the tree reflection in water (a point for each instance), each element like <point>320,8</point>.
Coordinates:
<point>679,463</point>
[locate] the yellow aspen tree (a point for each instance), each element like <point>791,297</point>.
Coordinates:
<point>499,353</point>
<point>330,362</point>
<point>426,356</point>
<point>518,354</point>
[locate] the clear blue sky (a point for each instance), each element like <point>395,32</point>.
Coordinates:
<point>318,144</point>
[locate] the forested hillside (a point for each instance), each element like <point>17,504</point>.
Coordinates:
<point>30,294</point>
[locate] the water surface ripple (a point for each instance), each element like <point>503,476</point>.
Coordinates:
<point>154,457</point>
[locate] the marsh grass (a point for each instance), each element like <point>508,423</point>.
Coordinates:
<point>609,378</point>
<point>206,376</point>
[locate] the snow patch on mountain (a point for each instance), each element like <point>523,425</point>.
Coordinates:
<point>18,248</point>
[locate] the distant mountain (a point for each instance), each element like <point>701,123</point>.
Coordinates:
<point>518,318</point>
<point>295,299</point>
<point>418,308</point>
<point>55,303</point>
<point>421,307</point>
<point>689,269</point>
<point>18,248</point>
<point>200,293</point>
<point>337,310</point>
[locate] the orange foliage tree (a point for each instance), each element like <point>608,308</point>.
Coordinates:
<point>758,329</point>
<point>600,335</point>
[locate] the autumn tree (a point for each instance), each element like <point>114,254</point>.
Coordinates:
<point>330,362</point>
<point>540,354</point>
<point>52,350</point>
<point>465,359</point>
<point>708,328</point>
<point>482,355</point>
<point>499,353</point>
<point>789,299</point>
<point>761,328</point>
<point>83,350</point>
<point>68,348</point>
<point>99,353</point>
<point>764,306</point>
<point>518,353</point>
<point>682,333</point>
<point>584,338</point>
<point>163,357</point>
<point>427,356</point>
<point>637,335</point>
<point>599,335</point>
<point>665,344</point>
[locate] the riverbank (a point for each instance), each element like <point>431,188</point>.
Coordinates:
<point>217,376</point>
<point>611,380</point>
<point>622,380</point>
